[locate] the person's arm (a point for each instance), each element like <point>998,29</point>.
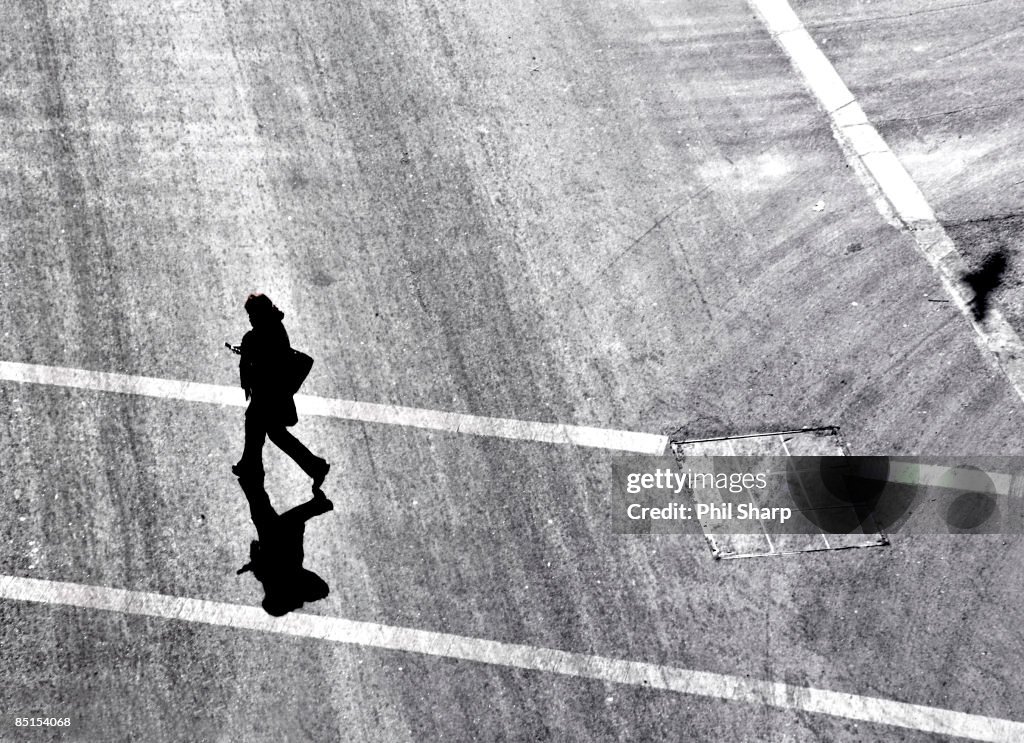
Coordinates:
<point>245,364</point>
<point>276,360</point>
<point>303,512</point>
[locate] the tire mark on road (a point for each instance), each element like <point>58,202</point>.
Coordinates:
<point>894,192</point>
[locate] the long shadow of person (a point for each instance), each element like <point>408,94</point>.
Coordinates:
<point>276,557</point>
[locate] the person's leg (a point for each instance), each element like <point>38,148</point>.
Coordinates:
<point>251,462</point>
<point>264,517</point>
<point>310,463</point>
<point>300,514</point>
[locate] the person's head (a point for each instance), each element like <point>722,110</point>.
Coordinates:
<point>261,309</point>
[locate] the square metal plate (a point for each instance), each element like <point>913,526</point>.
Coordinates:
<point>799,443</point>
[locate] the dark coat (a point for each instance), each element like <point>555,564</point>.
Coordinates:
<point>263,371</point>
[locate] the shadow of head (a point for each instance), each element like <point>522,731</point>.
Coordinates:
<point>302,587</point>
<point>275,558</point>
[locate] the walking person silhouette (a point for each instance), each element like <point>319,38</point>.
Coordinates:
<point>264,375</point>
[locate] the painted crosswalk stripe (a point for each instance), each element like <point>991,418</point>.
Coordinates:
<point>546,660</point>
<point>506,428</point>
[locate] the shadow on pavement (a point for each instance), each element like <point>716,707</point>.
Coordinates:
<point>276,557</point>
<point>985,280</point>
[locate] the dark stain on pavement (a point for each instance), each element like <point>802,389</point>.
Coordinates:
<point>984,280</point>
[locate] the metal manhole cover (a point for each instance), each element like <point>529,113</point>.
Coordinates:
<point>769,538</point>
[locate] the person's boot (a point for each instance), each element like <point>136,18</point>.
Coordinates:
<point>322,501</point>
<point>320,475</point>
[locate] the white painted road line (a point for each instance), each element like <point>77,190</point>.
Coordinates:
<point>506,428</point>
<point>611,670</point>
<point>954,478</point>
<point>895,194</point>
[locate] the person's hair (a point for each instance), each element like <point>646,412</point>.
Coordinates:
<point>260,307</point>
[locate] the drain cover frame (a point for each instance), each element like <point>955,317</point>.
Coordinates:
<point>816,441</point>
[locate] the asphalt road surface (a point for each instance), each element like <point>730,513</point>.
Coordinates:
<point>628,216</point>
